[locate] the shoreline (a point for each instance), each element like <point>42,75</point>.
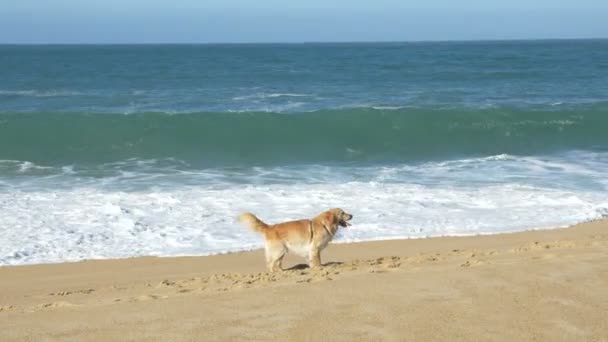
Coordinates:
<point>347,242</point>
<point>538,284</point>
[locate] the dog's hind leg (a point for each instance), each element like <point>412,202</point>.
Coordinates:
<point>274,256</point>
<point>276,266</point>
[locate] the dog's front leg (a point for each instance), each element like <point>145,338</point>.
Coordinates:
<point>314,258</point>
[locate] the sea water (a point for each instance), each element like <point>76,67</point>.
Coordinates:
<point>113,151</point>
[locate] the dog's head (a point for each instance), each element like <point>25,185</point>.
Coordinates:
<point>339,217</point>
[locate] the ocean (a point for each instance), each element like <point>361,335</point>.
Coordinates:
<point>111,151</point>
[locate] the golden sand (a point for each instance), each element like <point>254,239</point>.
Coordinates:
<point>549,285</point>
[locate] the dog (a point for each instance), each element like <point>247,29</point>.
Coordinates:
<point>306,238</point>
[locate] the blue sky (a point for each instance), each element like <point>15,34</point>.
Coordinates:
<point>213,21</point>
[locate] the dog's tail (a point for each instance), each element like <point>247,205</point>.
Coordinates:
<point>252,222</point>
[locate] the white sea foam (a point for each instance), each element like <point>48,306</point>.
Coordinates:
<point>86,223</point>
<point>158,207</point>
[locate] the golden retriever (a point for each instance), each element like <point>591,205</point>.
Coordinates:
<point>306,238</point>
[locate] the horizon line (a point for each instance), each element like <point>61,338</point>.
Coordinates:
<point>317,42</point>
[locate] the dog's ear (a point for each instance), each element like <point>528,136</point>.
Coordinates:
<point>329,219</point>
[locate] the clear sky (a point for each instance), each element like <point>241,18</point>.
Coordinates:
<point>213,21</point>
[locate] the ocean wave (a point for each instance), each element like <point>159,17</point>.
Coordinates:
<point>325,137</point>
<point>41,93</point>
<point>268,96</point>
<point>388,107</point>
<point>21,167</point>
<point>571,170</point>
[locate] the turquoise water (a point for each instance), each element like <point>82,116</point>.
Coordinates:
<point>121,150</point>
<point>251,105</point>
<point>332,137</point>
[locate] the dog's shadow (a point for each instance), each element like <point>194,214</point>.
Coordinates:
<point>299,267</point>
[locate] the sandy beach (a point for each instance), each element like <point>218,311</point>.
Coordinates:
<point>547,285</point>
